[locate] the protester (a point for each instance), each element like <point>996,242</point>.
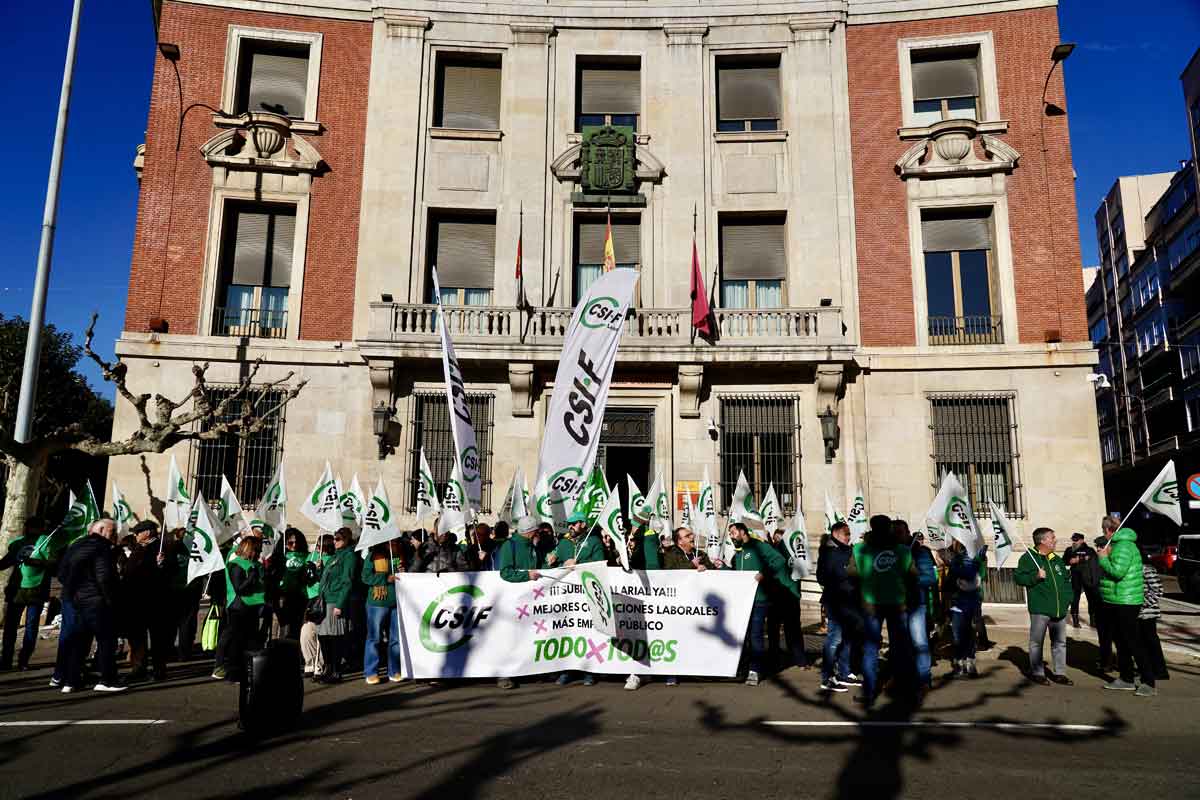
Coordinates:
<point>784,614</point>
<point>758,556</point>
<point>578,546</point>
<point>187,596</point>
<point>1085,577</point>
<point>150,601</point>
<point>91,587</point>
<point>292,600</point>
<point>1152,591</point>
<point>245,591</point>
<point>918,587</point>
<point>337,586</point>
<point>379,576</point>
<point>27,590</point>
<point>1048,593</point>
<point>310,644</point>
<point>843,615</point>
<point>518,562</point>
<point>442,555</point>
<point>882,567</point>
<point>1121,588</point>
<point>1105,625</point>
<point>968,599</point>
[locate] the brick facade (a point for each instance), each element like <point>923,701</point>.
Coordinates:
<point>168,254</point>
<point>1044,234</point>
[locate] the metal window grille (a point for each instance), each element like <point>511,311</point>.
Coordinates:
<point>760,435</point>
<point>429,428</point>
<point>249,463</point>
<point>975,436</point>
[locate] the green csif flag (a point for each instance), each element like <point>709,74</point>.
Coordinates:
<point>593,497</point>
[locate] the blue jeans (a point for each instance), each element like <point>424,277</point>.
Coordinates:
<point>66,632</point>
<point>962,626</point>
<point>918,634</point>
<point>12,620</point>
<point>758,630</point>
<point>897,626</point>
<point>836,660</point>
<point>379,617</point>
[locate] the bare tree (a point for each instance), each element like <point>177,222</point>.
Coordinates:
<point>162,423</point>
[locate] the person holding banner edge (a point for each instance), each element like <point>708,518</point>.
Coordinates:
<point>759,556</point>
<point>578,546</point>
<point>518,561</point>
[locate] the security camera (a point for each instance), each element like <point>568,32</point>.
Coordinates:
<point>1100,379</point>
<point>712,428</point>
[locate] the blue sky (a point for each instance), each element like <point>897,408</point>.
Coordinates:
<point>1127,117</point>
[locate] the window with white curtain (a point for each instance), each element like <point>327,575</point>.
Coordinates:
<point>462,246</point>
<point>590,231</point>
<point>272,76</point>
<point>753,261</point>
<point>945,84</point>
<point>256,269</point>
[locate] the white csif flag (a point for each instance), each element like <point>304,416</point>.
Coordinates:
<point>229,517</point>
<point>353,505</point>
<point>706,517</point>
<point>612,523</point>
<point>515,498</point>
<point>637,502</point>
<point>454,507</point>
<point>428,504</point>
<point>1002,535</point>
<point>658,500</point>
<point>204,553</point>
<point>378,521</point>
<point>466,452</point>
<point>272,508</point>
<point>178,504</point>
<point>857,518</point>
<point>743,509</point>
<point>1162,496</point>
<point>951,514</point>
<point>795,538</point>
<point>321,503</point>
<point>832,517</point>
<point>770,511</point>
<point>549,506</point>
<point>580,392</point>
<point>122,514</point>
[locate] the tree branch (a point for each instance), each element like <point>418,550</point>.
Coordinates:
<point>115,374</point>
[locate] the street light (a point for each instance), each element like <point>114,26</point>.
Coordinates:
<point>381,417</point>
<point>1057,56</point>
<point>829,432</point>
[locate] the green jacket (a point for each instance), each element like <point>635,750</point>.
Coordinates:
<point>759,556</point>
<point>516,557</point>
<point>318,561</point>
<point>1121,581</point>
<point>674,558</point>
<point>583,552</point>
<point>380,592</point>
<point>337,579</point>
<point>1050,596</point>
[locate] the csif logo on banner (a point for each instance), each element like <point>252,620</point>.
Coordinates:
<point>580,416</point>
<point>616,522</point>
<point>378,514</point>
<point>858,510</point>
<point>451,619</point>
<point>563,484</point>
<point>603,312</point>
<point>458,390</point>
<point>956,514</point>
<point>1167,494</point>
<point>470,464</point>
<point>599,600</point>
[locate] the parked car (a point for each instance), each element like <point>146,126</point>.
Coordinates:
<point>1164,559</point>
<point>1187,565</point>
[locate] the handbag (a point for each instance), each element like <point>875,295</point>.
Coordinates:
<point>316,610</point>
<point>212,629</point>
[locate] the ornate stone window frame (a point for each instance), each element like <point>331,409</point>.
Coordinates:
<point>1001,255</point>
<point>989,91</point>
<point>233,49</point>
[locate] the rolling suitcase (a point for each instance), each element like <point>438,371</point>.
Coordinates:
<point>271,694</point>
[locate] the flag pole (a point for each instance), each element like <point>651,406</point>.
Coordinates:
<point>692,322</point>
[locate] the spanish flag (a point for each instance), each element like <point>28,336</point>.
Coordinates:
<point>610,256</point>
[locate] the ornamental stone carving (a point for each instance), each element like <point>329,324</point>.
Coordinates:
<point>947,149</point>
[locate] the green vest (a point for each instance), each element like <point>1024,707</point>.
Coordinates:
<point>256,599</point>
<point>315,588</point>
<point>31,577</point>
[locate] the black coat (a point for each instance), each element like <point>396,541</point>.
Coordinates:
<point>838,589</point>
<point>88,572</point>
<point>1087,571</point>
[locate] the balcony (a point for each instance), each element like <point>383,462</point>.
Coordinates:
<point>651,334</point>
<point>965,330</point>
<point>1164,395</point>
<point>1164,445</point>
<point>252,323</point>
<point>1185,270</point>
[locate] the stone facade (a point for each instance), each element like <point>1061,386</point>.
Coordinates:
<point>844,168</point>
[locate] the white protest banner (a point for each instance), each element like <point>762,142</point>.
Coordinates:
<point>428,505</point>
<point>177,502</point>
<point>379,523</point>
<point>580,392</point>
<point>272,509</point>
<point>857,518</point>
<point>770,510</point>
<point>795,538</point>
<point>321,503</point>
<point>454,506</point>
<point>466,452</point>
<point>951,514</point>
<point>204,553</point>
<point>1002,535</point>
<point>1162,496</point>
<point>122,514</point>
<point>667,622</point>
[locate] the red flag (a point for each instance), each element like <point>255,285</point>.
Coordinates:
<point>701,313</point>
<point>521,301</point>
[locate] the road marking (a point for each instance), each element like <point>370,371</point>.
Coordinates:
<point>922,723</point>
<point>53,723</point>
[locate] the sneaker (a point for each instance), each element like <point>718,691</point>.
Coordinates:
<point>850,680</point>
<point>1145,690</point>
<point>395,678</point>
<point>108,687</point>
<point>972,672</point>
<point>219,674</point>
<point>372,680</point>
<point>506,683</point>
<point>633,683</point>
<point>308,670</point>
<point>672,681</point>
<point>589,680</point>
<point>1120,685</point>
<point>956,668</point>
<point>563,679</point>
<point>752,678</point>
<point>55,683</point>
<point>68,689</point>
<point>1061,680</point>
<point>832,685</point>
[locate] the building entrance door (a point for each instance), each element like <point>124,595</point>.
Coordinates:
<point>627,448</point>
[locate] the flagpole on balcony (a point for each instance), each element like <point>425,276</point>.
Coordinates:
<point>692,322</point>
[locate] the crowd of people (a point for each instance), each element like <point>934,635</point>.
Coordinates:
<point>132,593</point>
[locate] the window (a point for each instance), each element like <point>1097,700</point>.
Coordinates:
<point>463,248</point>
<point>1183,244</point>
<point>256,269</point>
<point>975,437</point>
<point>753,261</point>
<point>272,76</point>
<point>608,92</point>
<point>760,437</point>
<point>589,248</point>
<point>1108,447</point>
<point>430,429</point>
<point>748,93</point>
<point>1192,405</point>
<point>1099,331</point>
<point>959,282</point>
<point>1189,357</point>
<point>945,84</point>
<point>467,94</point>
<point>249,463</point>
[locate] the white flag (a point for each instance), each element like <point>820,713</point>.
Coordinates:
<point>379,521</point>
<point>770,510</point>
<point>743,509</point>
<point>321,503</point>
<point>1162,496</point>
<point>466,453</point>
<point>272,508</point>
<point>122,514</point>
<point>658,499</point>
<point>637,502</point>
<point>229,517</point>
<point>428,505</point>
<point>581,384</point>
<point>612,523</point>
<point>795,538</point>
<point>857,518</point>
<point>178,502</point>
<point>513,507</point>
<point>204,556</point>
<point>832,517</point>
<point>691,517</point>
<point>454,507</point>
<point>549,505</point>
<point>1002,535</point>
<point>935,539</point>
<point>353,505</point>
<point>951,514</point>
<point>707,518</point>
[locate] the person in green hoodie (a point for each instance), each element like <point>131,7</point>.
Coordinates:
<point>578,546</point>
<point>28,590</point>
<point>245,593</point>
<point>518,561</point>
<point>772,574</point>
<point>379,575</point>
<point>1122,590</point>
<point>1049,594</point>
<point>337,583</point>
